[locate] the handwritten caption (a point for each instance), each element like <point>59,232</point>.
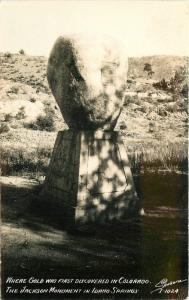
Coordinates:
<point>67,286</point>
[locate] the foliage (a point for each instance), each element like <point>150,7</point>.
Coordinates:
<point>177,84</point>
<point>8,117</point>
<point>13,90</point>
<point>44,122</point>
<point>7,55</point>
<point>22,52</point>
<point>21,114</point>
<point>24,161</point>
<point>168,156</point>
<point>184,91</point>
<point>153,156</point>
<point>4,128</point>
<point>32,99</point>
<point>148,69</point>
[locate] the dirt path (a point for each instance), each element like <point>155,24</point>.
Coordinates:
<point>35,244</point>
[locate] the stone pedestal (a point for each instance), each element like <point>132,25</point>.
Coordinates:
<point>89,177</point>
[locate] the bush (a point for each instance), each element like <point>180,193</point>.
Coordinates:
<point>172,107</point>
<point>45,122</point>
<point>8,117</point>
<point>21,114</point>
<point>161,111</point>
<point>184,91</point>
<point>21,160</point>
<point>152,126</point>
<point>148,69</point>
<point>21,51</point>
<point>177,84</point>
<point>7,55</point>
<point>156,156</point>
<point>14,90</point>
<point>33,100</point>
<point>4,128</point>
<point>162,85</point>
<point>122,126</point>
<point>130,99</point>
<point>31,125</point>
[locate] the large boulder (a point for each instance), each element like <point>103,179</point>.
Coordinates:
<point>87,76</point>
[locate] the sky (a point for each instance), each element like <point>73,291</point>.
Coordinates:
<point>145,27</point>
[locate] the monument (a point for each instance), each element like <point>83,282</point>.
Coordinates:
<point>89,178</point>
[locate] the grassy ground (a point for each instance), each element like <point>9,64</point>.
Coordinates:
<point>31,151</point>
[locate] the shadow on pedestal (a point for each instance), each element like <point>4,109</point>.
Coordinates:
<point>89,179</point>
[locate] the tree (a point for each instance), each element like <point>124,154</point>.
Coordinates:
<point>21,51</point>
<point>148,69</point>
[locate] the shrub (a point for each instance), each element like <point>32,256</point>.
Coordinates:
<point>21,51</point>
<point>22,160</point>
<point>177,84</point>
<point>31,125</point>
<point>45,122</point>
<point>152,126</point>
<point>162,85</point>
<point>184,91</point>
<point>162,111</point>
<point>4,128</point>
<point>122,126</point>
<point>130,99</point>
<point>178,80</point>
<point>8,117</point>
<point>14,90</point>
<point>21,114</point>
<point>172,107</point>
<point>148,69</point>
<point>33,100</point>
<point>156,156</point>
<point>7,55</point>
<point>145,107</point>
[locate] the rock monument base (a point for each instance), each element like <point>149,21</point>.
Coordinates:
<point>89,178</point>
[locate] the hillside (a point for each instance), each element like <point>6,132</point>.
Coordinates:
<point>163,66</point>
<point>152,111</point>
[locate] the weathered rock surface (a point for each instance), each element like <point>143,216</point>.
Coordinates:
<point>87,77</point>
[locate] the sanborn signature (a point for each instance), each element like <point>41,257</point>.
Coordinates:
<point>162,285</point>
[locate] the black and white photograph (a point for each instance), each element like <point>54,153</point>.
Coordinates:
<point>94,149</point>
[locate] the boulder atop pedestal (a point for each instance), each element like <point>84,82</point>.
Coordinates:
<point>87,76</point>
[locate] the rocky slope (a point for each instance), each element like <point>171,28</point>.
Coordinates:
<point>24,88</point>
<point>29,114</point>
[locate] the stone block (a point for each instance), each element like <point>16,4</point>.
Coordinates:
<point>89,178</point>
